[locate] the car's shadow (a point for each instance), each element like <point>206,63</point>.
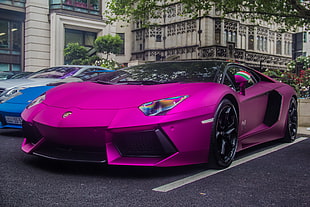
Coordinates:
<point>97,169</point>
<point>11,132</point>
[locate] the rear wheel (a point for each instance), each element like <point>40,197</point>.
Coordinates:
<point>292,122</point>
<point>224,136</point>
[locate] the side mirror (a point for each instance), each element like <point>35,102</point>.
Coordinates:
<point>242,78</point>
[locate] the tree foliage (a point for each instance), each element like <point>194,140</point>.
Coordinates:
<point>74,52</point>
<point>297,75</point>
<point>289,13</point>
<point>108,44</point>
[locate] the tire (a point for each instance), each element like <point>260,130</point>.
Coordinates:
<point>224,137</point>
<point>291,122</point>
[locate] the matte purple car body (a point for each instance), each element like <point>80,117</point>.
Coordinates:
<point>103,123</point>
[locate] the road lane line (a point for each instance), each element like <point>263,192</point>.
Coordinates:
<point>179,183</point>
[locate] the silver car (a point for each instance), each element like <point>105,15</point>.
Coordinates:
<point>67,73</point>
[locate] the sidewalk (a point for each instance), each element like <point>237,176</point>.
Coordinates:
<point>304,130</point>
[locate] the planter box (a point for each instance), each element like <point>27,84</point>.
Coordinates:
<point>304,112</point>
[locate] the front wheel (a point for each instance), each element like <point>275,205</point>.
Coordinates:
<point>291,122</point>
<point>224,136</point>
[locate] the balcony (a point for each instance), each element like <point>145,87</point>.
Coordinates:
<point>82,6</point>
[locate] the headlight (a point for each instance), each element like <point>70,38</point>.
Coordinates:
<point>158,107</point>
<point>9,94</point>
<point>36,101</point>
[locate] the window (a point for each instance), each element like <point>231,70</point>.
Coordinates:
<point>217,37</point>
<point>251,42</point>
<point>230,36</point>
<point>158,38</point>
<point>10,45</point>
<point>279,47</point>
<point>265,47</point>
<point>4,34</point>
<point>229,78</point>
<point>279,44</point>
<point>258,43</point>
<point>242,43</point>
<point>18,3</point>
<point>84,38</point>
<point>16,36</point>
<point>261,43</point>
<point>85,6</point>
<point>305,37</point>
<point>287,48</point>
<point>122,50</point>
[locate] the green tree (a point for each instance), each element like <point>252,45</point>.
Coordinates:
<point>297,75</point>
<point>289,13</point>
<point>75,53</point>
<point>108,44</point>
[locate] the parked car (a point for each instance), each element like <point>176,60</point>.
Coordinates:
<point>161,114</point>
<point>10,88</point>
<point>11,108</point>
<point>4,75</point>
<point>20,75</point>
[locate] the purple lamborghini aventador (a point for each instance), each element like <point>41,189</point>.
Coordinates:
<point>161,114</point>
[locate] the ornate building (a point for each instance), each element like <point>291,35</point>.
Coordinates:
<point>34,33</point>
<point>174,36</point>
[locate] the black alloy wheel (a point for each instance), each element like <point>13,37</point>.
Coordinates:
<point>224,140</point>
<point>292,122</point>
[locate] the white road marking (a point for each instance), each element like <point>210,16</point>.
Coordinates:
<point>179,183</point>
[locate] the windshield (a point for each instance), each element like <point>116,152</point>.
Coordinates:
<point>55,72</point>
<point>86,75</point>
<point>165,72</point>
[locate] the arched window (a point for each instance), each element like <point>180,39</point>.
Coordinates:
<point>251,42</point>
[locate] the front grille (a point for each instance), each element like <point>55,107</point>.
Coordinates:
<point>71,144</point>
<point>71,153</point>
<point>31,133</point>
<point>153,143</point>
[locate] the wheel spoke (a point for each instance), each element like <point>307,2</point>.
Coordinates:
<point>223,147</point>
<point>230,131</point>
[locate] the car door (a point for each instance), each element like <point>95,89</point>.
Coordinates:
<point>252,105</point>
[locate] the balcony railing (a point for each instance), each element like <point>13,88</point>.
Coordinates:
<point>84,6</point>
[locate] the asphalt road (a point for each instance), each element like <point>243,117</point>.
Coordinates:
<point>280,178</point>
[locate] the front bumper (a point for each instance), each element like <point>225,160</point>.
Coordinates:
<point>140,141</point>
<point>10,115</point>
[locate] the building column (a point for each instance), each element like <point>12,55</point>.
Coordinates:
<point>37,41</point>
<point>57,40</point>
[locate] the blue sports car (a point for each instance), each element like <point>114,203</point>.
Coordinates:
<point>16,101</point>
<point>11,109</point>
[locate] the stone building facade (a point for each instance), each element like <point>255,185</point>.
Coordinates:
<point>33,35</point>
<point>174,36</point>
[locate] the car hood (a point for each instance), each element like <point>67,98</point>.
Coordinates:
<point>29,94</point>
<point>89,95</point>
<point>25,82</point>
